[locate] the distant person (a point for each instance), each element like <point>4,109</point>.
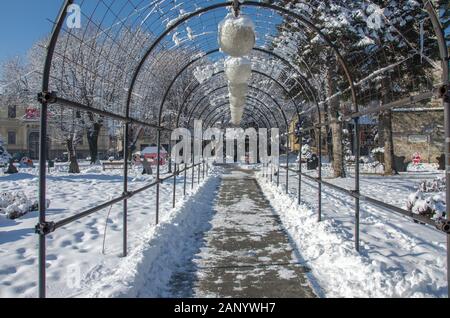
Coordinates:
<point>11,168</point>
<point>147,167</point>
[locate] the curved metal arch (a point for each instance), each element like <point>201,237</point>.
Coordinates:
<point>315,99</point>
<point>254,100</point>
<point>294,15</point>
<point>270,53</point>
<point>221,72</point>
<point>253,88</point>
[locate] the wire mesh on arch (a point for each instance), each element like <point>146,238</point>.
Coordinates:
<point>95,64</point>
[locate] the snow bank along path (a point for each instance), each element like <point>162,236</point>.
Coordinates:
<point>398,257</point>
<point>76,250</point>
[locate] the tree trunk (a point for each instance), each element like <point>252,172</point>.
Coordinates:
<point>92,137</point>
<point>385,127</point>
<point>135,133</point>
<point>73,162</point>
<point>336,128</point>
<point>385,122</point>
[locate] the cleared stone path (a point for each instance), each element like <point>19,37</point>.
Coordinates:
<point>246,253</point>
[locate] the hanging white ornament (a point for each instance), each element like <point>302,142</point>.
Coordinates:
<point>238,70</point>
<point>237,35</point>
<point>238,89</point>
<point>237,101</point>
<point>236,115</point>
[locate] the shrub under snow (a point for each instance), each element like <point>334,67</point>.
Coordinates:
<point>431,205</point>
<point>16,204</point>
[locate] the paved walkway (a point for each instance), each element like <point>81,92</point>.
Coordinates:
<point>246,253</point>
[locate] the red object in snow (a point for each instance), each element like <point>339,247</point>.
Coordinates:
<point>417,159</point>
<point>151,154</point>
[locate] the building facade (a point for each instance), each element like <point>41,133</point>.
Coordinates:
<point>19,127</point>
<point>416,131</point>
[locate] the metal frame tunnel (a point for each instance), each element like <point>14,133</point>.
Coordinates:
<point>46,97</point>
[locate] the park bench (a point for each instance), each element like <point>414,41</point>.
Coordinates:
<point>113,165</point>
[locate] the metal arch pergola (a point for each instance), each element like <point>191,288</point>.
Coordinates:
<point>137,15</point>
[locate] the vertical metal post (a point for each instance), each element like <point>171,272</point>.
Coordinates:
<point>42,198</point>
<point>193,172</point>
<point>199,171</point>
<point>357,183</point>
<point>287,165</point>
<point>300,170</point>
<point>185,179</point>
<point>170,157</point>
<point>444,54</point>
<point>278,172</point>
<point>320,176</point>
<point>447,173</point>
<point>271,172</point>
<point>175,175</point>
<point>125,189</point>
<point>43,144</point>
<point>204,164</point>
<point>158,175</point>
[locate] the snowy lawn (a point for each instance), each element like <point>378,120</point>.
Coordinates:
<point>77,248</point>
<point>398,257</point>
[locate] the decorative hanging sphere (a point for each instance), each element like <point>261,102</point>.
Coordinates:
<point>237,35</point>
<point>238,70</point>
<point>238,90</point>
<point>237,101</point>
<point>236,115</point>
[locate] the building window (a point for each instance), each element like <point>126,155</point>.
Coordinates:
<point>12,112</point>
<point>11,138</point>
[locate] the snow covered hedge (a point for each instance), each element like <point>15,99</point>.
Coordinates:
<point>16,204</point>
<point>429,200</point>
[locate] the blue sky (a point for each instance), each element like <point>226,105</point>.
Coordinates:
<point>23,22</point>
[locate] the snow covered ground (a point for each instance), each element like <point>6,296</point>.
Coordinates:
<point>77,249</point>
<point>398,257</point>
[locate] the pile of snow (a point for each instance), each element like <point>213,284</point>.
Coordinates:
<point>337,270</point>
<point>5,157</point>
<point>160,250</point>
<point>16,204</point>
<point>429,200</point>
<point>237,35</point>
<point>378,150</point>
<point>436,185</point>
<point>422,167</point>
